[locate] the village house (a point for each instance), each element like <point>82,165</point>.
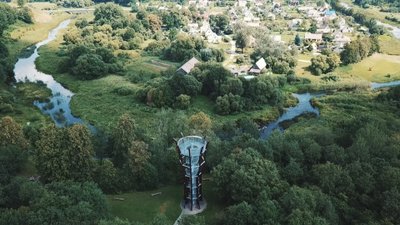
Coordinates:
<point>233,15</point>
<point>314,14</point>
<point>294,2</point>
<point>259,3</point>
<point>313,37</point>
<point>295,24</point>
<point>341,40</point>
<point>305,8</point>
<point>271,16</point>
<point>343,27</point>
<point>202,3</point>
<point>324,29</point>
<point>277,38</point>
<point>209,35</point>
<point>330,14</point>
<point>258,67</point>
<point>241,3</point>
<point>188,66</point>
<point>193,28</point>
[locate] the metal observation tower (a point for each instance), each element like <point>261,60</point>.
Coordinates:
<point>191,151</point>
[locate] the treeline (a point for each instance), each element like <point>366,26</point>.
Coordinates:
<point>359,49</point>
<point>74,3</point>
<point>390,3</point>
<point>353,52</point>
<point>359,17</point>
<point>8,17</point>
<point>83,3</point>
<point>184,47</point>
<point>230,94</point>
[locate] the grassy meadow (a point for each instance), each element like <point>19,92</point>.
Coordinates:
<point>389,45</point>
<point>142,207</point>
<point>376,68</point>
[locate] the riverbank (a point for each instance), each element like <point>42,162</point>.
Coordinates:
<point>18,101</point>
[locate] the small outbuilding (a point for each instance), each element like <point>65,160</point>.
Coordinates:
<point>258,67</point>
<point>188,66</point>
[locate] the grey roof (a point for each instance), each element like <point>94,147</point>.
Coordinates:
<point>188,66</point>
<point>310,36</point>
<point>260,64</point>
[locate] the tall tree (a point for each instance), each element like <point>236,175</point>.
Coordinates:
<point>200,123</point>
<point>80,152</point>
<point>244,174</point>
<point>64,154</point>
<point>11,133</point>
<point>297,40</point>
<point>123,135</point>
<point>242,40</point>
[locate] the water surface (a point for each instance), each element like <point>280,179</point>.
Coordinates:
<point>57,107</point>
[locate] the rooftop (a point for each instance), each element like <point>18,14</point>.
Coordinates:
<point>188,66</point>
<point>193,145</point>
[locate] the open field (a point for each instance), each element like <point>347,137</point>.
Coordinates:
<point>376,68</point>
<point>142,207</point>
<point>25,35</point>
<point>389,45</point>
<point>372,12</point>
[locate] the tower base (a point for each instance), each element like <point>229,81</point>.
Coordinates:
<point>186,210</point>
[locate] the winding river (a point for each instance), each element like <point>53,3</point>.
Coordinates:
<point>59,110</point>
<point>58,105</point>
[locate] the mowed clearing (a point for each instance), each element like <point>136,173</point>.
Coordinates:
<point>377,68</point>
<point>143,207</point>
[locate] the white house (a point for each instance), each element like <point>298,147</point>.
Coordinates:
<point>241,3</point>
<point>341,40</point>
<point>324,30</point>
<point>313,37</point>
<point>277,38</point>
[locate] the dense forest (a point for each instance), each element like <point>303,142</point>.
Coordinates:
<point>333,170</point>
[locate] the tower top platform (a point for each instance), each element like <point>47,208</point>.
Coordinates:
<point>195,144</point>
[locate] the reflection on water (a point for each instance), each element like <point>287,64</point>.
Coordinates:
<point>58,106</point>
<point>303,106</point>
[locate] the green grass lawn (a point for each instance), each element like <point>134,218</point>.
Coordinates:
<point>389,45</point>
<point>374,68</point>
<point>142,207</point>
